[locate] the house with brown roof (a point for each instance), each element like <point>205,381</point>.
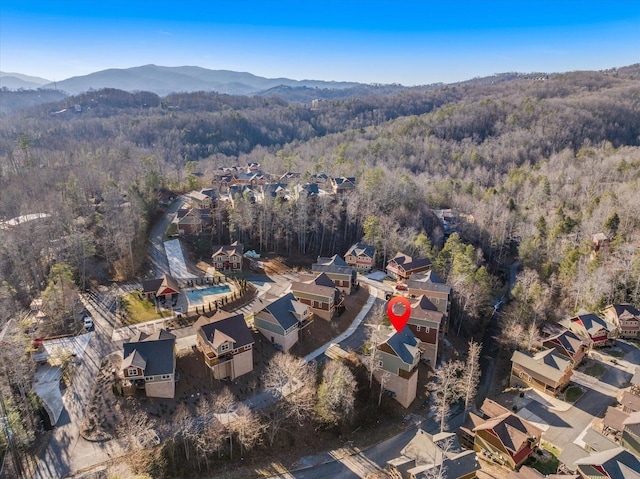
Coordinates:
<point>631,433</point>
<point>547,370</point>
<point>505,439</point>
<point>319,293</point>
<point>397,368</point>
<point>149,363</point>
<point>360,257</point>
<point>228,258</point>
<point>625,318</point>
<point>226,343</point>
<point>164,287</point>
<point>615,463</point>
<point>402,266</point>
<point>201,199</point>
<point>568,344</point>
<point>281,321</point>
<point>630,402</point>
<point>614,420</point>
<point>343,275</point>
<point>527,472</point>
<point>591,326</point>
<point>425,322</point>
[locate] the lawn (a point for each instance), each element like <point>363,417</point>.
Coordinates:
<point>139,309</point>
<point>546,461</point>
<point>595,369</point>
<point>572,394</point>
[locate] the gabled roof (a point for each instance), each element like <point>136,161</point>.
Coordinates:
<point>513,431</point>
<point>615,418</point>
<point>228,250</point>
<point>424,309</point>
<point>548,363</point>
<point>428,281</point>
<point>490,408</point>
<point>344,181</point>
<point>157,349</point>
<point>632,423</point>
<point>321,285</point>
<point>631,401</point>
<point>223,327</point>
<point>359,249</point>
<point>155,285</point>
<point>407,263</point>
<point>527,472</point>
<point>597,441</point>
<point>426,448</point>
<point>135,359</point>
<point>592,323</point>
<point>283,310</point>
<point>569,341</point>
<point>404,344</point>
<point>618,463</point>
<point>624,312</point>
<point>335,264</point>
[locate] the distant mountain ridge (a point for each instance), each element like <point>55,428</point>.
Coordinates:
<point>14,81</point>
<point>164,80</point>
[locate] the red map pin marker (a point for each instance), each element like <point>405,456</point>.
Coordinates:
<point>399,320</point>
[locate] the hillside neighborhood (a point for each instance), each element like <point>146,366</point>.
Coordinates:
<point>205,323</point>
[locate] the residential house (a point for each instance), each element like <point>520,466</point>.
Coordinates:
<point>438,455</point>
<point>601,242</point>
<point>430,285</point>
<point>249,193</point>
<point>319,179</point>
<point>309,191</point>
<point>591,326</point>
<point>192,221</point>
<point>319,293</point>
<point>201,199</point>
<point>402,266</point>
<point>343,275</point>
<point>527,472</point>
<point>342,186</point>
<point>505,438</point>
<point>625,318</point>
<point>226,343</point>
<point>273,191</point>
<point>228,258</point>
<point>615,463</point>
<point>149,363</point>
<point>613,421</point>
<point>547,370</point>
<point>592,441</point>
<point>630,402</point>
<point>281,320</point>
<point>425,322</point>
<point>164,287</point>
<point>289,176</point>
<point>360,257</point>
<point>397,368</point>
<point>568,344</point>
<point>631,433</point>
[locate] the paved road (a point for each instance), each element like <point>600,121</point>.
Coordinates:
<point>67,451</point>
<point>157,254</point>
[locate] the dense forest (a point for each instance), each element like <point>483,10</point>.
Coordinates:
<point>537,165</point>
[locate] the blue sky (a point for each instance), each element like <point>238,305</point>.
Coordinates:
<point>408,42</point>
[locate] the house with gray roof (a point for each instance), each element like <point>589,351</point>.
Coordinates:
<point>149,363</point>
<point>568,344</point>
<point>425,323</point>
<point>590,326</point>
<point>429,284</point>
<point>360,257</point>
<point>615,463</point>
<point>402,266</point>
<point>631,433</point>
<point>397,367</point>
<point>625,318</point>
<point>343,275</point>
<point>547,370</point>
<point>228,258</point>
<point>226,343</point>
<point>281,320</point>
<point>630,402</point>
<point>319,293</point>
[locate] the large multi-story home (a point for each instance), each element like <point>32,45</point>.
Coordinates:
<point>319,293</point>
<point>402,266</point>
<point>226,343</point>
<point>430,285</point>
<point>547,370</point>
<point>397,368</point>
<point>568,344</point>
<point>360,257</point>
<point>341,186</point>
<point>149,363</point>
<point>281,320</point>
<point>501,436</point>
<point>228,258</point>
<point>202,199</point>
<point>625,318</point>
<point>343,275</point>
<point>425,322</point>
<point>630,437</point>
<point>590,326</point>
<point>616,463</point>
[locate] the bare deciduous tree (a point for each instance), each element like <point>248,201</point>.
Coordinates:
<point>247,427</point>
<point>446,389</point>
<point>336,393</point>
<point>471,374</point>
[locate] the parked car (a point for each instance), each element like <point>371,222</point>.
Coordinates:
<point>88,323</point>
<point>401,287</point>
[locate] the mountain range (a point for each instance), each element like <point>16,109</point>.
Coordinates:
<point>164,80</point>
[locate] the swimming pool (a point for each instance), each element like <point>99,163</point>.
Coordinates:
<point>196,296</point>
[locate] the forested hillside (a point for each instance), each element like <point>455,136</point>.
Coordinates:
<point>537,165</point>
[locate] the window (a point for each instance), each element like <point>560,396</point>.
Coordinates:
<point>166,376</point>
<point>418,328</point>
<point>224,346</point>
<point>380,364</point>
<point>148,378</point>
<point>320,304</point>
<point>521,375</point>
<point>132,372</point>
